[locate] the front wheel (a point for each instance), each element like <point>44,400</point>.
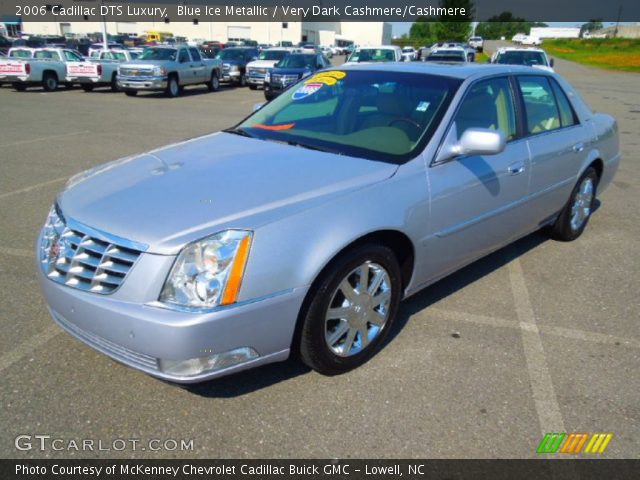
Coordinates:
<point>243,81</point>
<point>173,87</point>
<point>131,93</point>
<point>352,310</point>
<point>114,83</point>
<point>575,215</point>
<point>214,83</point>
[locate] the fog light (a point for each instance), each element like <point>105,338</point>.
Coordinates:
<point>219,361</point>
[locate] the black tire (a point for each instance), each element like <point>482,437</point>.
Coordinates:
<point>50,82</point>
<point>20,87</point>
<point>562,229</point>
<point>243,80</point>
<point>114,83</point>
<point>313,348</point>
<point>253,87</point>
<point>214,82</point>
<point>87,87</point>
<point>173,87</point>
<point>131,93</point>
<point>268,96</point>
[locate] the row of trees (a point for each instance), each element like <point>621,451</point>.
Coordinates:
<point>425,32</point>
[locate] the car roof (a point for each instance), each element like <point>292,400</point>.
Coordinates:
<point>520,49</point>
<point>455,70</point>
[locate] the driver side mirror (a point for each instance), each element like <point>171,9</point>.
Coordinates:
<point>551,62</point>
<point>474,141</point>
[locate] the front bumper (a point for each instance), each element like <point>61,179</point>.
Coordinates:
<point>139,335</point>
<point>231,76</point>
<point>142,83</point>
<point>256,80</point>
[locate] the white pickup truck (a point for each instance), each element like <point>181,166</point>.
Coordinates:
<point>101,70</point>
<point>47,67</point>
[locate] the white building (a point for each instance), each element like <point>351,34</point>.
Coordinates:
<point>322,33</point>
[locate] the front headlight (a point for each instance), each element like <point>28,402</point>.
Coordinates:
<point>267,76</point>
<point>209,272</point>
<point>159,71</point>
<point>49,246</point>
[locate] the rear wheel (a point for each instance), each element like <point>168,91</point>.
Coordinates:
<point>131,93</point>
<point>214,83</point>
<point>50,82</point>
<point>173,87</point>
<point>114,83</point>
<point>352,310</point>
<point>576,213</point>
<point>253,87</point>
<point>87,87</point>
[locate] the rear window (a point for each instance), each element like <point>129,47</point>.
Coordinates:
<point>46,54</point>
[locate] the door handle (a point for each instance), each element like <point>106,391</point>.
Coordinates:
<point>578,147</point>
<point>516,168</point>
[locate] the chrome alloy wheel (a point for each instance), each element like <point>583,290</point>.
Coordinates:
<point>581,208</point>
<point>359,310</point>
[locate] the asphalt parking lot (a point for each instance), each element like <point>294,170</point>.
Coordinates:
<point>539,337</point>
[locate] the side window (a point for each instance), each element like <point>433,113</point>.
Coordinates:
<point>72,57</point>
<point>567,115</point>
<point>540,104</point>
<point>195,54</point>
<point>488,104</point>
<point>183,56</point>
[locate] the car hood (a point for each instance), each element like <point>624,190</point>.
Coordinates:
<point>262,63</point>
<point>180,193</point>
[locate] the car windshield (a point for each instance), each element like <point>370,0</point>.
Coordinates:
<point>231,54</point>
<point>522,58</point>
<point>407,50</point>
<point>372,55</point>
<point>386,116</point>
<point>296,61</point>
<point>159,54</point>
<point>273,55</point>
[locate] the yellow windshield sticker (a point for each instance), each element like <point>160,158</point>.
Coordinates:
<point>328,78</point>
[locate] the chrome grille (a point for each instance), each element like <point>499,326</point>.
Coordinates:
<point>284,79</point>
<point>87,263</point>
<point>134,72</point>
<point>256,71</point>
<point>105,346</point>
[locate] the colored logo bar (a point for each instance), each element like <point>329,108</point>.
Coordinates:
<point>572,443</point>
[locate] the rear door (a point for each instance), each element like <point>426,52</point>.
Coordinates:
<point>557,141</point>
<point>197,65</point>
<point>477,201</point>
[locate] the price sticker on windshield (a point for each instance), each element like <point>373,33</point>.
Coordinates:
<point>306,90</point>
<point>328,78</point>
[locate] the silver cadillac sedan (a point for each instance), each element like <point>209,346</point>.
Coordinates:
<point>300,230</point>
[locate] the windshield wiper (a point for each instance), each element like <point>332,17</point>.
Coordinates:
<point>294,143</point>
<point>239,131</point>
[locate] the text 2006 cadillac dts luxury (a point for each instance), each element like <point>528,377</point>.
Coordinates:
<point>302,228</point>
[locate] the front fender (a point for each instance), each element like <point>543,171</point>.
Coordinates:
<point>291,252</point>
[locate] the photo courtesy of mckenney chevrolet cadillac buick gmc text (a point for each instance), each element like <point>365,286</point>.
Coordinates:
<point>353,189</point>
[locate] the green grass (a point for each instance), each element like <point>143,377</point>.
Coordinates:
<point>609,53</point>
<point>482,57</point>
